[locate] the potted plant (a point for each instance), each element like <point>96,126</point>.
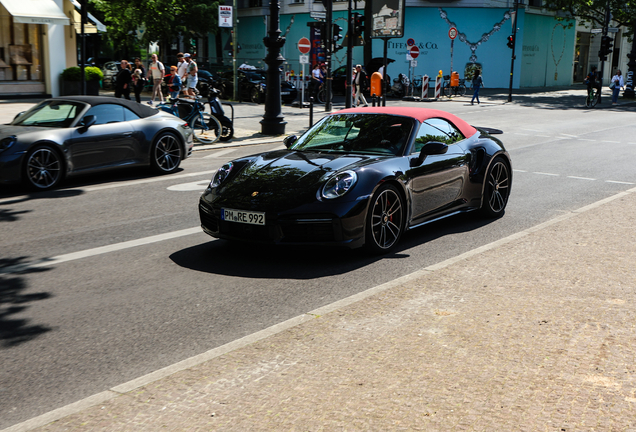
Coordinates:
<point>71,80</point>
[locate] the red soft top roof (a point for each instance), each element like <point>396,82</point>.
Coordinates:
<point>420,114</point>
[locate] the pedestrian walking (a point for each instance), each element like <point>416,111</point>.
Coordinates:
<point>182,70</point>
<point>316,81</point>
<point>478,83</point>
<point>139,79</point>
<point>157,72</point>
<point>192,74</point>
<point>616,85</point>
<point>361,84</point>
<point>123,81</point>
<point>174,82</point>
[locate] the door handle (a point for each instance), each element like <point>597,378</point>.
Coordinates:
<point>128,134</point>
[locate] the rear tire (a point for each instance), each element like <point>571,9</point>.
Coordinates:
<point>255,95</point>
<point>44,168</point>
<point>496,189</point>
<point>166,154</point>
<point>228,132</point>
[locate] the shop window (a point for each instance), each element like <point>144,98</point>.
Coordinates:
<point>20,50</point>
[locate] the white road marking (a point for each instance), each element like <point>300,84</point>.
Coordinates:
<point>518,170</point>
<point>581,178</point>
<point>619,182</point>
<point>143,181</point>
<point>193,186</point>
<point>590,140</point>
<point>220,153</point>
<point>47,262</point>
<point>193,361</point>
<point>568,135</point>
<point>118,184</point>
<point>548,174</point>
<point>543,136</point>
<point>611,142</point>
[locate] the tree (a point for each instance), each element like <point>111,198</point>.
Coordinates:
<point>593,11</point>
<point>162,20</point>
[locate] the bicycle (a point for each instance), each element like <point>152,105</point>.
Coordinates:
<point>593,97</point>
<point>322,94</point>
<point>449,91</point>
<point>193,112</point>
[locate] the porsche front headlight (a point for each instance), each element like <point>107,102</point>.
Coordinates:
<point>339,184</point>
<point>221,174</point>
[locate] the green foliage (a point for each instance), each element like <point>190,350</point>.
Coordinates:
<point>593,12</point>
<point>74,74</point>
<point>161,20</point>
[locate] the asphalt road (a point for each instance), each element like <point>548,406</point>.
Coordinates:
<point>117,280</point>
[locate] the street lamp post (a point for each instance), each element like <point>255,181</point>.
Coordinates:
<point>272,123</point>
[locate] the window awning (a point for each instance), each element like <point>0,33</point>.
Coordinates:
<point>35,12</point>
<point>92,26</point>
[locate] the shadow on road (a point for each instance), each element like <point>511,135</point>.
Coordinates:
<point>294,262</point>
<point>13,301</point>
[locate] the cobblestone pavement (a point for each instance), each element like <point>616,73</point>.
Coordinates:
<point>533,333</point>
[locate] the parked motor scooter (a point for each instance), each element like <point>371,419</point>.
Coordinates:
<point>216,108</point>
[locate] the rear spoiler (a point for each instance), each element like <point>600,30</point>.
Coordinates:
<point>489,131</point>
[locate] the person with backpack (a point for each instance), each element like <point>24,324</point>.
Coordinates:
<point>616,85</point>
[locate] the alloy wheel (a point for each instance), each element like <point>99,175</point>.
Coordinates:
<point>167,153</point>
<point>498,187</point>
<point>44,168</point>
<point>387,219</point>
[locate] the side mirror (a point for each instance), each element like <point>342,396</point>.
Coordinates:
<point>290,140</point>
<point>18,115</point>
<point>88,121</point>
<point>429,149</point>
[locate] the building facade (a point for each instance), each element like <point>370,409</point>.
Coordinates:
<point>548,52</point>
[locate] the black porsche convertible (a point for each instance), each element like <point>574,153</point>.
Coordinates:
<point>70,135</point>
<point>360,177</point>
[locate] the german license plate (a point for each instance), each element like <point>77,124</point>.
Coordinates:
<point>284,93</point>
<point>241,216</point>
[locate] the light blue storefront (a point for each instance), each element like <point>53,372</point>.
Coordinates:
<point>544,46</point>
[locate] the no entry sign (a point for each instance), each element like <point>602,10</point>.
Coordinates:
<point>414,51</point>
<point>304,46</point>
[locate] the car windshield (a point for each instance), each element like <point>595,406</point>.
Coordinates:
<point>376,134</point>
<point>56,114</point>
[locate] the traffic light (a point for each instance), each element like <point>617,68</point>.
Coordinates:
<point>606,47</point>
<point>358,29</point>
<point>511,41</point>
<point>336,34</point>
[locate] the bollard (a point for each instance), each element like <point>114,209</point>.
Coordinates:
<point>425,87</point>
<point>374,99</point>
<point>438,87</point>
<point>311,111</point>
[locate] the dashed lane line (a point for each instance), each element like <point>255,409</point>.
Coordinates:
<point>48,262</point>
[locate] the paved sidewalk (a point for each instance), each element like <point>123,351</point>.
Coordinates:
<point>535,332</point>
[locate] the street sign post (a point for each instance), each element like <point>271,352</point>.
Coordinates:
<point>452,34</point>
<point>304,46</point>
<point>317,15</point>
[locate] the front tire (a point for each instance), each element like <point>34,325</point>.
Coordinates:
<point>44,168</point>
<point>496,189</point>
<point>385,220</point>
<point>165,156</point>
<point>206,128</point>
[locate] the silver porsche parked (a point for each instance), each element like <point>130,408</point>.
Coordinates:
<point>66,136</point>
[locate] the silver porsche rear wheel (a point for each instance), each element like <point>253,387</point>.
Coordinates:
<point>385,220</point>
<point>165,156</point>
<point>44,168</point>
